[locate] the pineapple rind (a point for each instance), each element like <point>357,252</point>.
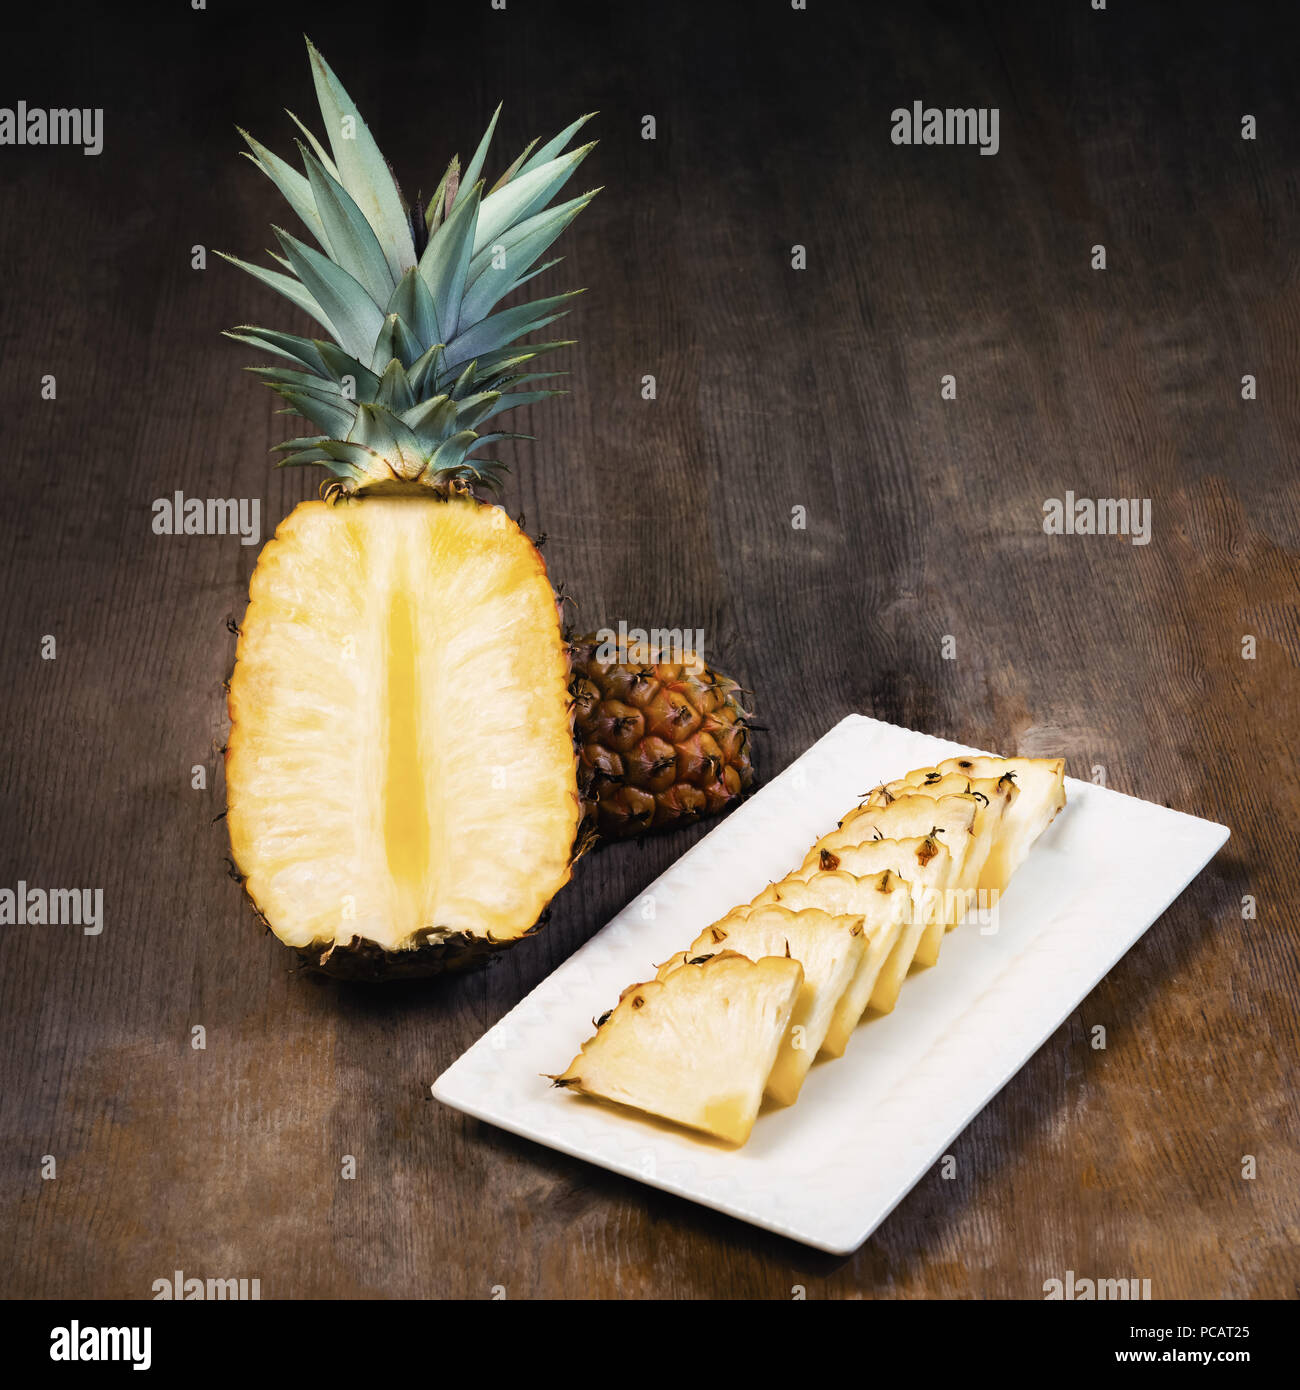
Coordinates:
<point>662,738</point>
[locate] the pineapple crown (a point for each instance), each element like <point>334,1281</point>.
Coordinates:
<point>416,361</point>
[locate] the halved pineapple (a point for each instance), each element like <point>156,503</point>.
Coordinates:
<point>884,903</point>
<point>830,949</point>
<point>947,819</point>
<point>995,795</point>
<point>401,777</point>
<point>1041,782</point>
<point>697,1046</point>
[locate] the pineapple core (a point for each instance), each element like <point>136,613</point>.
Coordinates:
<point>401,766</point>
<point>406,815</point>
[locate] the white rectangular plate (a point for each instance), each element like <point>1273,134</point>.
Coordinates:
<point>867,1126</point>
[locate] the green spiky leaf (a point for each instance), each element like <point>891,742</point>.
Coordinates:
<point>433,419</point>
<point>418,355</point>
<point>292,185</point>
<point>321,410</point>
<point>286,285</point>
<point>504,327</point>
<point>445,262</point>
<point>395,340</point>
<point>450,454</point>
<point>352,239</point>
<point>423,372</point>
<point>514,168</point>
<point>412,302</point>
<point>553,148</point>
<point>473,410</point>
<point>313,454</point>
<point>286,345</point>
<point>346,369</point>
<point>318,149</point>
<point>493,438</point>
<point>352,313</point>
<point>508,400</point>
<point>493,275</point>
<point>433,214</point>
<point>474,169</point>
<point>362,170</point>
<point>525,195</point>
<point>394,390</point>
<point>381,431</point>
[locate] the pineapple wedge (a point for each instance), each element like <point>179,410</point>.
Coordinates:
<point>830,949</point>
<point>922,861</point>
<point>695,1047</point>
<point>883,901</point>
<point>996,795</point>
<point>949,819</point>
<point>1042,795</point>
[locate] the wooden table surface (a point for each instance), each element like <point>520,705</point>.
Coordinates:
<point>777,388</point>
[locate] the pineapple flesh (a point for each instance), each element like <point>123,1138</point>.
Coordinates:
<point>1041,784</point>
<point>922,861</point>
<point>695,1047</point>
<point>994,796</point>
<point>947,819</point>
<point>369,800</point>
<point>882,901</point>
<point>893,875</point>
<point>830,949</point>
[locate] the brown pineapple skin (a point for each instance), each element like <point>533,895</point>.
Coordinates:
<point>660,743</point>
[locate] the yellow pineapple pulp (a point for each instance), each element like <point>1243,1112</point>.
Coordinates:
<point>883,904</point>
<point>1041,786</point>
<point>947,820</point>
<point>401,774</point>
<point>994,797</point>
<point>696,1047</point>
<point>868,899</point>
<point>830,950</point>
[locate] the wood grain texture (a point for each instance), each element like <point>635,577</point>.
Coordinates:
<point>777,388</point>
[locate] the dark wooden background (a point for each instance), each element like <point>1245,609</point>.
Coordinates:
<point>776,388</point>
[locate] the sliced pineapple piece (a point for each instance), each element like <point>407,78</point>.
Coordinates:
<point>923,861</point>
<point>995,795</point>
<point>830,949</point>
<point>1041,782</point>
<point>697,1046</point>
<point>948,819</point>
<point>884,903</point>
